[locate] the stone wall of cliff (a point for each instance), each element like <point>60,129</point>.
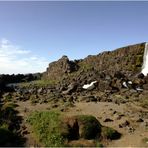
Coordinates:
<point>127,60</point>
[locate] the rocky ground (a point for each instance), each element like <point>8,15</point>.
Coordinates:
<point>125,118</point>
<point>124,109</point>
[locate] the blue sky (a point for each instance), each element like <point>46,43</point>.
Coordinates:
<point>33,34</point>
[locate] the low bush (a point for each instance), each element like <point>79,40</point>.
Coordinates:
<point>110,133</point>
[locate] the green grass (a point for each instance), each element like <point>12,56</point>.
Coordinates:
<point>46,127</point>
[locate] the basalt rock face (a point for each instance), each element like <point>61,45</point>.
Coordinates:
<point>59,68</point>
<point>127,60</point>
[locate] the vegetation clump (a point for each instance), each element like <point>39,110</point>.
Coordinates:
<point>110,133</point>
<point>46,126</point>
<point>9,124</point>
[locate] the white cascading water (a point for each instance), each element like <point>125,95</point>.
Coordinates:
<point>145,61</point>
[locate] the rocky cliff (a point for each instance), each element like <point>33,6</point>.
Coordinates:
<point>61,67</point>
<point>127,60</point>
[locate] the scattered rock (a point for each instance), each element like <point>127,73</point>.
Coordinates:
<point>124,124</point>
<point>54,106</point>
<point>25,132</point>
<point>130,129</point>
<point>119,117</point>
<point>108,120</point>
<point>140,120</point>
<point>140,76</point>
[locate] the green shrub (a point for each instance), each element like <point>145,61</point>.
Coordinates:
<point>46,127</point>
<point>8,112</point>
<point>8,126</point>
<point>110,133</point>
<point>6,137</point>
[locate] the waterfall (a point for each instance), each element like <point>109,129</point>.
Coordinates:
<point>145,60</point>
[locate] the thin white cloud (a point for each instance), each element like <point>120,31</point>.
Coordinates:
<point>14,59</point>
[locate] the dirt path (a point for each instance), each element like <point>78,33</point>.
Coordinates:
<point>101,110</point>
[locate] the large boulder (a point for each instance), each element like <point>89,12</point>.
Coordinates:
<point>83,126</point>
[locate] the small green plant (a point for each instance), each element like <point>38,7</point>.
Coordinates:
<point>8,98</point>
<point>46,126</point>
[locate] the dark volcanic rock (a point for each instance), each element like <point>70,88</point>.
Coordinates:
<point>141,76</point>
<point>61,67</point>
<point>124,124</point>
<point>72,87</point>
<point>108,120</point>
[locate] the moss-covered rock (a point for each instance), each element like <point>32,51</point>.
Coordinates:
<point>110,133</point>
<point>82,126</point>
<point>89,126</point>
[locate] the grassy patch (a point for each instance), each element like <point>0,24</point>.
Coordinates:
<point>85,66</point>
<point>46,127</point>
